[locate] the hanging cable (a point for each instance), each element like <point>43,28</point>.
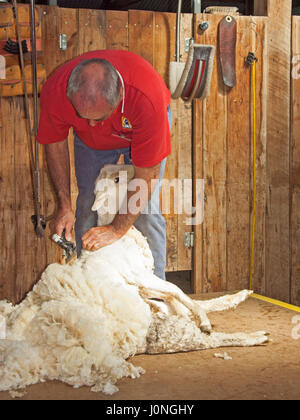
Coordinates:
<point>252,60</point>
<point>37,219</point>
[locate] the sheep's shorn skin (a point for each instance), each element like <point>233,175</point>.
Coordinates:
<point>81,323</point>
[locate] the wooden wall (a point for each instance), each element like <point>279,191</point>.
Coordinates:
<point>211,141</point>
<point>222,157</point>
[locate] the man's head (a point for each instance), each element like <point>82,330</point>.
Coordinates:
<point>95,90</point>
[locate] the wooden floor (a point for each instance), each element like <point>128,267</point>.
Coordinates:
<point>268,372</point>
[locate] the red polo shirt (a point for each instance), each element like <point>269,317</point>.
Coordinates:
<point>143,126</point>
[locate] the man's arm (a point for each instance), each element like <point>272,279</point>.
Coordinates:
<point>100,237</point>
<point>58,160</point>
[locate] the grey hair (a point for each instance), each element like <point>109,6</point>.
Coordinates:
<point>109,88</point>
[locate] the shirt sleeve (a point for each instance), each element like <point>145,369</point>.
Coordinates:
<point>151,142</point>
<point>52,126</point>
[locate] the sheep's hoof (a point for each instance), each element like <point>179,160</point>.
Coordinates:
<point>206,328</point>
<point>260,338</point>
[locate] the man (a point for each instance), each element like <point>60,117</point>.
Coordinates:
<point>117,104</point>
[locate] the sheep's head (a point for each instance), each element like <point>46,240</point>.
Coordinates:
<point>111,191</point>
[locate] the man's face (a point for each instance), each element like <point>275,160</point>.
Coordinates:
<point>94,114</point>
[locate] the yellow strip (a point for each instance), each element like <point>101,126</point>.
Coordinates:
<point>276,302</point>
<point>254,175</point>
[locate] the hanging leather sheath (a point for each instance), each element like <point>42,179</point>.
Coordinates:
<point>227,46</point>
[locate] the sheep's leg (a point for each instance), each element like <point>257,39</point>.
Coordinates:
<point>225,302</point>
<point>151,286</point>
<point>174,334</point>
<point>171,294</point>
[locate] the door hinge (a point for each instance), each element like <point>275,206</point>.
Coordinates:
<point>189,240</point>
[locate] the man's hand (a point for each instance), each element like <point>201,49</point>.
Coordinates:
<point>100,237</point>
<point>64,221</point>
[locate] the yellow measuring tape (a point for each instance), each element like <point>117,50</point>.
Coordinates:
<point>276,302</point>
<point>253,70</point>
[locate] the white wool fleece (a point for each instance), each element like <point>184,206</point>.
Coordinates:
<point>80,323</point>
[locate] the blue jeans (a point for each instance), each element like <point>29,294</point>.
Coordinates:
<point>88,163</point>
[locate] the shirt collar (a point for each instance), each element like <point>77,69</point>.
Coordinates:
<point>123,86</point>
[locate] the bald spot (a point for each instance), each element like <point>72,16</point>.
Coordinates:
<point>87,98</point>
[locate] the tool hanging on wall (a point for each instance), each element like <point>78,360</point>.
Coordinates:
<point>37,219</point>
<point>227,47</point>
<point>191,80</point>
<point>12,83</point>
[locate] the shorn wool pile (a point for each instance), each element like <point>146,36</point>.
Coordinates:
<point>81,323</point>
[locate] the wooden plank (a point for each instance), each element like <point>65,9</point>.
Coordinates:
<point>258,44</point>
<point>50,34</point>
<point>68,20</point>
<point>29,248</point>
<point>116,30</point>
<point>91,36</point>
<point>8,203</point>
<point>278,151</point>
<point>91,26</point>
<point>55,21</point>
<point>184,157</point>
<point>214,171</point>
<point>238,174</point>
<point>165,29</point>
<point>295,166</point>
<point>198,125</point>
<point>141,34</point>
<point>69,24</point>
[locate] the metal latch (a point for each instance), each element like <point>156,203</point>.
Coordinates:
<point>63,42</point>
<point>189,240</point>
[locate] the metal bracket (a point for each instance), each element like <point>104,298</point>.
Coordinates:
<point>188,43</point>
<point>63,42</point>
<point>196,6</point>
<point>189,240</point>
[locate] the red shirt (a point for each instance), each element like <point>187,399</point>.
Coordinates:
<point>143,126</point>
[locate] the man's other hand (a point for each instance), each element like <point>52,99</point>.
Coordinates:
<point>100,237</point>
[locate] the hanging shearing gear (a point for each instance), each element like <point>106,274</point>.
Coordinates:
<point>37,219</point>
<point>12,47</point>
<point>13,82</point>
<point>227,46</point>
<point>191,80</point>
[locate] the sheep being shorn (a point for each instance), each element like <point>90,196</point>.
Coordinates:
<point>81,323</point>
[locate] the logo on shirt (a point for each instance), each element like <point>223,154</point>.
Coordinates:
<point>126,123</point>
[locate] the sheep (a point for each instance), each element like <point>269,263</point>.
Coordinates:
<point>82,322</point>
